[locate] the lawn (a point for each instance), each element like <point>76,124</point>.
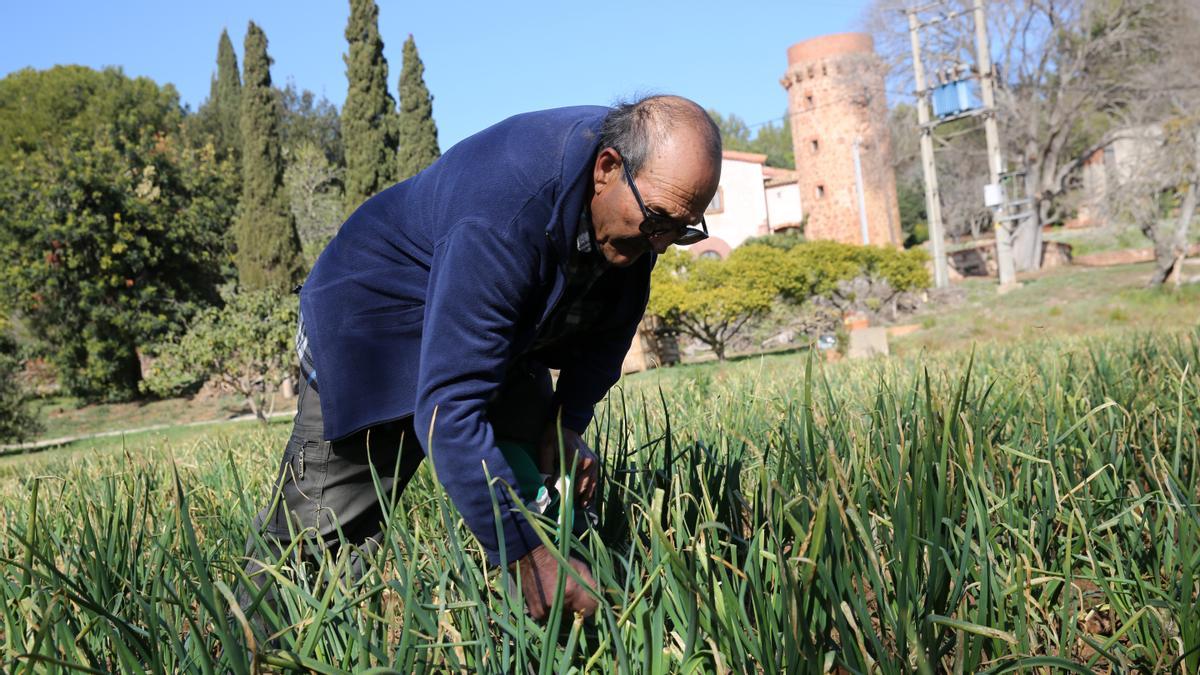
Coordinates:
<point>64,416</point>
<point>1103,239</point>
<point>158,445</point>
<point>1062,301</point>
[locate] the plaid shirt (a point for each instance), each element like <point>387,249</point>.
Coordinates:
<point>308,370</point>
<point>574,313</point>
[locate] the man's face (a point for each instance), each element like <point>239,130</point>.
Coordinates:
<point>676,182</point>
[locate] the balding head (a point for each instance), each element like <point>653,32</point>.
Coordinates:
<point>635,129</point>
<point>672,150</point>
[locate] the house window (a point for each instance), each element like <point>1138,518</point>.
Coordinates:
<point>711,255</point>
<point>820,192</point>
<point>808,100</point>
<point>815,145</point>
<point>717,205</point>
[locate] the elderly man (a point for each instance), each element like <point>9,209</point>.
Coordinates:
<point>429,323</point>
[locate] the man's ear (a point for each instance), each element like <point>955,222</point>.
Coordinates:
<point>607,169</point>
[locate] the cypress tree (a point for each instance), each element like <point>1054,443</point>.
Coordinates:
<point>418,132</point>
<point>219,116</point>
<point>227,92</point>
<point>268,250</point>
<point>368,115</point>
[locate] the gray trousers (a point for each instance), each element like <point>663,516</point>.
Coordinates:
<point>323,487</point>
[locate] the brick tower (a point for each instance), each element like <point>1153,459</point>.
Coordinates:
<point>836,100</point>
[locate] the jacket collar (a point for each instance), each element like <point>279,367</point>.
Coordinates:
<point>579,154</point>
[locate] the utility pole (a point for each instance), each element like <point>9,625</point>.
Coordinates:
<point>933,207</point>
<point>1006,268</point>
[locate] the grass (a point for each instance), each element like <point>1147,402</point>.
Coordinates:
<point>1100,239</point>
<point>1031,507</point>
<point>64,416</point>
<point>1057,302</point>
<point>155,445</point>
<point>1104,239</point>
<point>1063,301</point>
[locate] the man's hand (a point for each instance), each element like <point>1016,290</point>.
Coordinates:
<point>587,473</point>
<point>539,578</point>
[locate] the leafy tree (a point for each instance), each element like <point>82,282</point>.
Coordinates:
<point>268,249</point>
<point>112,228</point>
<point>776,143</point>
<point>38,107</point>
<point>711,299</point>
<point>219,115</point>
<point>218,124</point>
<point>17,419</point>
<point>368,115</point>
<point>735,135</point>
<point>418,132</point>
<point>773,141</point>
<point>914,222</point>
<point>245,346</point>
<point>307,120</point>
<point>313,185</point>
<point>312,151</point>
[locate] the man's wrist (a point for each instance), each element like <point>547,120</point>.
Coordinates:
<point>573,417</point>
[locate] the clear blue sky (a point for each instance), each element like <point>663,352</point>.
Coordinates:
<point>483,60</point>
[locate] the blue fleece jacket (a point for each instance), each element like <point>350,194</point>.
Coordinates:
<point>432,287</point>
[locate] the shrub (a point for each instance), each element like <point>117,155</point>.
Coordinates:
<point>786,240</point>
<point>819,267</point>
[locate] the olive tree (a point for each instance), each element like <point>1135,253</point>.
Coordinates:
<point>710,299</point>
<point>245,347</point>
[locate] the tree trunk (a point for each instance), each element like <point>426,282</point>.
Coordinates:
<point>128,374</point>
<point>255,408</point>
<point>1169,255</point>
<point>1027,244</point>
<point>1027,236</point>
<point>719,349</point>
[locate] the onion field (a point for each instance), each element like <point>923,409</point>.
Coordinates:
<point>1031,508</point>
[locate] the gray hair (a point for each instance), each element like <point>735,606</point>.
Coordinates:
<point>632,126</point>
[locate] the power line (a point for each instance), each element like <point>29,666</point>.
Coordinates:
<point>865,87</point>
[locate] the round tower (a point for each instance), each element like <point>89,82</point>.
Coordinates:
<point>838,110</point>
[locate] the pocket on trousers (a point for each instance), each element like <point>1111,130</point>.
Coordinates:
<point>302,480</point>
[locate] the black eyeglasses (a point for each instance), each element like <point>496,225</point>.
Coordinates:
<point>656,225</point>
